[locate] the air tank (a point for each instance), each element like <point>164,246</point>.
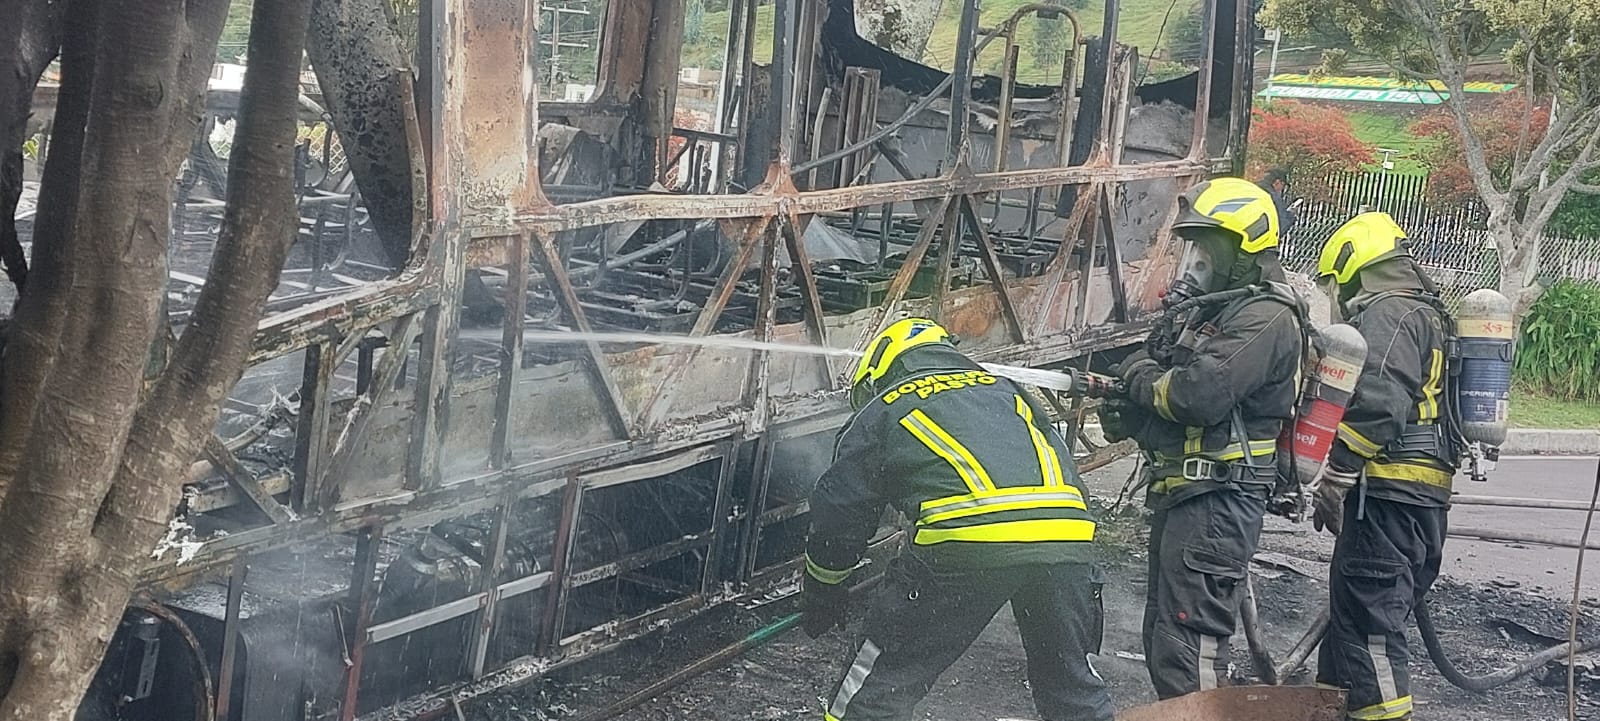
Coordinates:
<point>1484,328</point>
<point>1303,446</point>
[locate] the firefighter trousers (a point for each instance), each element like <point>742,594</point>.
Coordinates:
<point>1200,551</point>
<point>922,620</point>
<point>1383,565</point>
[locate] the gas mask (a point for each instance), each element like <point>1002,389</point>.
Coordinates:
<point>1207,263</point>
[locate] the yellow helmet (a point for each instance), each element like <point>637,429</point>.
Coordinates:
<point>885,349</point>
<point>1235,205</point>
<point>1362,241</point>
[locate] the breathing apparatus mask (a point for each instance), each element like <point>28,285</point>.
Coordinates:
<point>1208,263</point>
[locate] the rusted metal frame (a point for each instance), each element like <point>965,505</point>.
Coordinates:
<point>555,606</point>
<point>1002,133</point>
<point>784,25</point>
<point>1117,132</point>
<point>1243,67</point>
<point>908,270</point>
<point>353,436</point>
<point>311,431</point>
<point>950,244</point>
<point>784,513</point>
<point>488,584</point>
<point>896,160</point>
<point>243,480</point>
<point>720,518</point>
<point>655,410</point>
<point>816,133</point>
<point>636,561</point>
<point>599,369</point>
<point>364,594</point>
<point>665,207</point>
<point>755,501</point>
<point>756,395</point>
<point>340,316</point>
<point>816,323</point>
<point>203,685</point>
<point>230,638</point>
<point>1058,267</point>
<point>991,266</point>
<point>1202,100</point>
<point>961,87</point>
<point>516,305</point>
<point>431,411</point>
<point>592,641</point>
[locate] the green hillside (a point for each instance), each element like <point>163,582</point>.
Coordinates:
<point>1141,27</point>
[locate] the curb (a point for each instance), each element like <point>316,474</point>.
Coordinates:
<point>1551,442</point>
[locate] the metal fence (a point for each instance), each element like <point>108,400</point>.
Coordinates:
<point>1448,237</point>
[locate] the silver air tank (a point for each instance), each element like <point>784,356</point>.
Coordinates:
<point>1483,389</point>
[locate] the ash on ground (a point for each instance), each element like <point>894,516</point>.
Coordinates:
<point>1484,626</point>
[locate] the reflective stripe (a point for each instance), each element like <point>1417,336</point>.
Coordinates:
<point>1193,440</point>
<point>1428,409</point>
<point>997,495</point>
<point>1257,449</point>
<point>1049,462</point>
<point>1357,442</point>
<point>1208,663</point>
<point>860,669</point>
<point>1410,472</point>
<point>941,443</point>
<point>994,505</point>
<point>1398,708</point>
<point>1048,529</point>
<point>1163,406</point>
<point>825,574</point>
<point>1378,653</point>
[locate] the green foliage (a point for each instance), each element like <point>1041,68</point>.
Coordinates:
<point>1558,354</point>
<point>1185,34</point>
<point>1578,215</point>
<point>30,148</point>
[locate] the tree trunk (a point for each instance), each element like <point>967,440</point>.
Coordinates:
<point>1519,266</point>
<point>30,39</point>
<point>359,63</point>
<point>84,509</point>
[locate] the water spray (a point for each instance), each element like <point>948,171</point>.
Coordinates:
<point>1069,381</point>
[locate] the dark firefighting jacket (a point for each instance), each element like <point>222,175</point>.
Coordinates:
<point>1212,416</point>
<point>970,461</point>
<point>1396,426</point>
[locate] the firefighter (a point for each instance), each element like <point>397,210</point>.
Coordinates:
<point>995,514</point>
<point>1387,485</point>
<point>1206,399</point>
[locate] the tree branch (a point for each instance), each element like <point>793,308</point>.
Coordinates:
<point>259,225</point>
<point>32,38</point>
<point>1454,77</point>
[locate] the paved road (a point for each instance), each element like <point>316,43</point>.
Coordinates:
<point>1534,567</point>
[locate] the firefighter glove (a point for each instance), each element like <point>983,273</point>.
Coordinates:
<point>826,606</point>
<point>1328,498</point>
<point>1139,371</point>
<point>1118,419</point>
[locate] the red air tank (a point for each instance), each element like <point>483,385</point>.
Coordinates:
<point>1303,446</point>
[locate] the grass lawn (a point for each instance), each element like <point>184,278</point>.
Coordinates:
<point>1529,410</point>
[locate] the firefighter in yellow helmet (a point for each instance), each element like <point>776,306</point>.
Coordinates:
<point>1207,397</point>
<point>995,514</point>
<point>1386,488</point>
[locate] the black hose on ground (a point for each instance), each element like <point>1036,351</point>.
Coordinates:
<point>1430,638</point>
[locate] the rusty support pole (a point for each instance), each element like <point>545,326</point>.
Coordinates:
<point>600,371</point>
<point>718,536</point>
<point>949,245</point>
<point>991,267</point>
<point>784,22</point>
<point>516,304</point>
<point>1202,98</point>
<point>757,396</point>
<point>386,379</point>
<point>816,322</point>
<point>243,480</point>
<point>363,594</point>
<point>230,638</point>
<point>488,583</point>
<point>1243,80</point>
<point>555,605</point>
<point>311,432</point>
<point>961,87</point>
<point>706,320</point>
<point>754,504</point>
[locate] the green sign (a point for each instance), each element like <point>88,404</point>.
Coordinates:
<point>1410,97</point>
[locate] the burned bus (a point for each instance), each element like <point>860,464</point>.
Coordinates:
<point>468,451</point>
